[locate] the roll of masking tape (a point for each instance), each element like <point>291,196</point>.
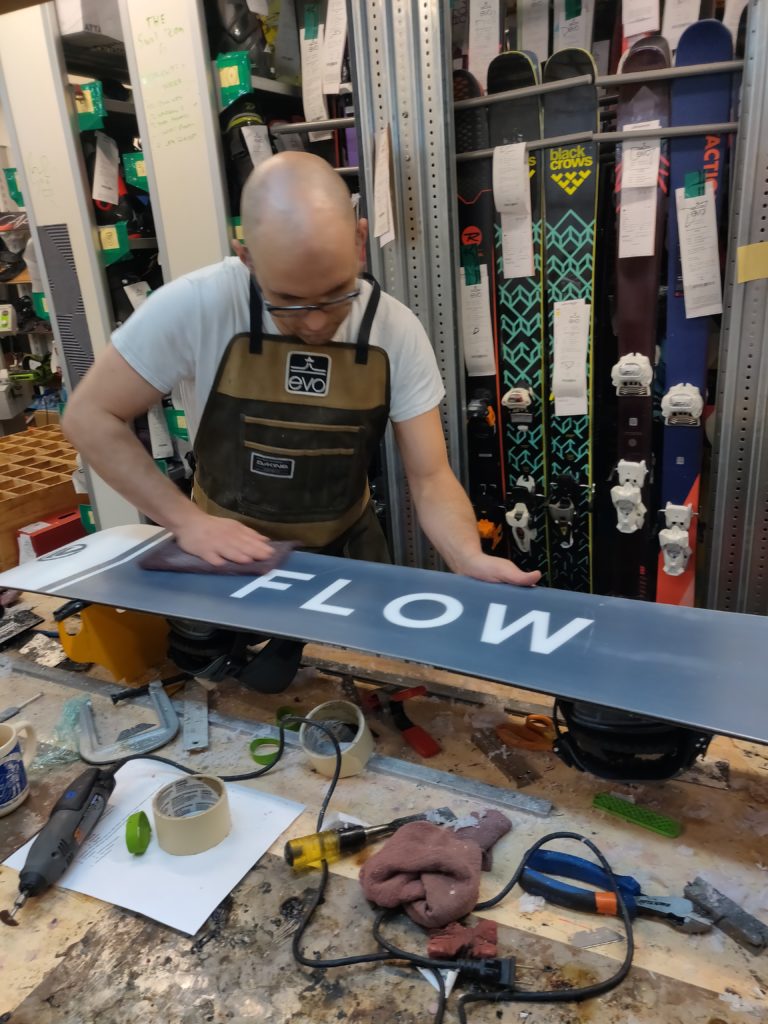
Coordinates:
<point>348,725</point>
<point>191,815</point>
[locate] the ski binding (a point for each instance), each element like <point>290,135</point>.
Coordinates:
<point>519,400</point>
<point>627,496</point>
<point>682,406</point>
<point>674,538</point>
<point>632,375</point>
<point>519,521</point>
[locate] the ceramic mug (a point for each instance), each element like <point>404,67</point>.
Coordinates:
<point>15,757</point>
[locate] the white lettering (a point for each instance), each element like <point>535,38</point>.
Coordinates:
<point>495,632</point>
<point>267,581</point>
<point>453,609</point>
<point>303,384</point>
<point>317,603</point>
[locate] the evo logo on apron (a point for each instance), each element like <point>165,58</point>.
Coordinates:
<point>307,374</point>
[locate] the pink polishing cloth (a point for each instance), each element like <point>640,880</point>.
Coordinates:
<point>491,826</point>
<point>169,557</point>
<point>432,872</point>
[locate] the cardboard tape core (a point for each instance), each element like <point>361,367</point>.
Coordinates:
<point>191,815</point>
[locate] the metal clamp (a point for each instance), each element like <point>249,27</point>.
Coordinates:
<point>627,496</point>
<point>139,743</point>
<point>518,400</point>
<point>674,538</point>
<point>632,375</point>
<point>682,406</point>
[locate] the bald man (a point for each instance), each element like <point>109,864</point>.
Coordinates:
<point>297,363</point>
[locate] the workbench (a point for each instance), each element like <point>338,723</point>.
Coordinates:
<point>74,959</point>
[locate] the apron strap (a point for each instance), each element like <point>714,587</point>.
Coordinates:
<point>254,346</point>
<point>364,334</point>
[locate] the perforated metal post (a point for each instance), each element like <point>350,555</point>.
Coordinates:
<point>402,79</point>
<point>738,533</point>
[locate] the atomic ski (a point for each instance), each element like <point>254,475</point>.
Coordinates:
<point>478,290</point>
<point>693,160</point>
<point>570,200</point>
<point>520,330</point>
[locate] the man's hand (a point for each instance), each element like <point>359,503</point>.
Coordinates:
<point>496,570</point>
<point>217,540</point>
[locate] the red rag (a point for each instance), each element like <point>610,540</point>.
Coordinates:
<point>491,826</point>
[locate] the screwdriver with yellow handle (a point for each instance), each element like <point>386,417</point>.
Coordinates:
<point>334,843</point>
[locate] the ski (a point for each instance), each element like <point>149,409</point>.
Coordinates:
<point>570,202</point>
<point>520,330</point>
<point>478,290</point>
<point>637,296</point>
<point>705,97</point>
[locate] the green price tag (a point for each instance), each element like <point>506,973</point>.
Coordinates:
<point>13,185</point>
<point>695,183</point>
<point>162,465</point>
<point>572,9</point>
<point>234,75</point>
<point>114,242</point>
<point>237,228</point>
<point>311,21</point>
<point>89,101</point>
<point>135,170</point>
<point>87,518</point>
<point>177,423</point>
<point>40,305</point>
<point>471,263</point>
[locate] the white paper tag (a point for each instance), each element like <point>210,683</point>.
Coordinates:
<point>476,327</point>
<point>259,7</point>
<point>312,95</point>
<point>533,27</point>
<point>289,141</point>
<point>640,16</point>
<point>449,979</point>
<point>137,293</point>
<point>105,170</point>
<point>640,159</point>
<point>732,16</point>
<point>637,222</point>
<point>572,32</point>
<point>256,137</point>
<point>334,42</point>
<point>601,51</point>
<point>512,198</point>
<point>697,226</point>
<point>484,37</point>
<point>383,218</point>
<point>678,15</point>
<point>569,377</point>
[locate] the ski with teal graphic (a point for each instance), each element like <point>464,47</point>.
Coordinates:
<point>570,201</point>
<point>521,353</point>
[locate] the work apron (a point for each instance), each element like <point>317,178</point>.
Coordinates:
<point>288,433</point>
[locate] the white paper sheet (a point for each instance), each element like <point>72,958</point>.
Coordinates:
<point>256,138</point>
<point>678,15</point>
<point>180,892</point>
<point>383,216</point>
<point>576,32</point>
<point>312,95</point>
<point>512,198</point>
<point>640,159</point>
<point>640,16</point>
<point>571,336</point>
<point>697,225</point>
<point>137,293</point>
<point>105,169</point>
<point>484,37</point>
<point>639,182</point>
<point>334,42</point>
<point>476,327</point>
<point>533,27</point>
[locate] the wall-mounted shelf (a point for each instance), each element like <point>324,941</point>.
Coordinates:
<point>260,84</point>
<point>142,243</point>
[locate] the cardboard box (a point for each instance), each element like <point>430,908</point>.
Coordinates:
<point>90,22</point>
<point>48,534</point>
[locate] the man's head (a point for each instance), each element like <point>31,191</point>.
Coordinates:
<point>302,242</point>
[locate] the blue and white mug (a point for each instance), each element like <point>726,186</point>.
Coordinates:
<point>15,757</point>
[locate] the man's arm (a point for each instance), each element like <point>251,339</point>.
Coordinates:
<point>443,507</point>
<point>97,421</point>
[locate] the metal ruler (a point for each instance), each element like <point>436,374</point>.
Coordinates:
<point>194,721</point>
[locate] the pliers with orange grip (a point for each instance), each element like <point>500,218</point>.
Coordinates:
<point>543,864</point>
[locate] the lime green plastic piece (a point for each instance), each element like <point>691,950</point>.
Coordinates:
<point>638,815</point>
<point>138,833</point>
<point>265,741</point>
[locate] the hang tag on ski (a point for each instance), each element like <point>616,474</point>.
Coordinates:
<point>512,198</point>
<point>383,217</point>
<point>678,15</point>
<point>137,293</point>
<point>312,95</point>
<point>700,259</point>
<point>573,31</point>
<point>640,16</point>
<point>571,337</point>
<point>256,138</point>
<point>533,27</point>
<point>105,170</point>
<point>334,42</point>
<point>484,38</point>
<point>637,221</point>
<point>476,328</point>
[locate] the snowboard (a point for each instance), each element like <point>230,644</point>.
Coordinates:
<point>570,202</point>
<point>476,229</point>
<point>637,299</point>
<point>685,349</point>
<point>522,371</point>
<point>515,635</point>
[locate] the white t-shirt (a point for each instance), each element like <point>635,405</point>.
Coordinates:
<point>179,336</point>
